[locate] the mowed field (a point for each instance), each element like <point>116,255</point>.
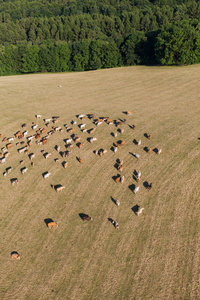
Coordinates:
<point>152,256</point>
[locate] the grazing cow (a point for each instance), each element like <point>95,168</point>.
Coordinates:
<point>149,150</point>
<point>4,149</point>
<point>44,141</point>
<point>58,188</point>
<point>2,160</point>
<point>138,176</point>
<point>46,175</point>
<point>14,180</point>
<point>8,170</point>
<point>15,255</point>
<point>77,139</point>
<point>136,155</point>
<point>139,142</point>
<point>25,133</point>
<point>91,130</point>
<point>80,145</point>
<point>149,187</point>
<point>55,121</point>
<point>21,150</point>
<point>29,143</point>
<point>80,116</point>
<point>121,131</point>
<point>9,145</point>
<point>115,149</point>
<point>150,136</point>
<point>70,130</point>
<point>115,223</point>
<point>4,140</point>
<point>21,162</point>
<point>118,179</point>
<point>159,151</point>
<point>57,148</point>
<point>117,202</point>
<point>37,136</point>
<point>18,133</point>
<point>31,156</point>
<point>24,170</point>
<point>52,224</point>
<point>139,211</point>
<point>129,112</point>
<point>38,116</point>
<point>79,159</point>
<point>81,126</point>
<point>47,120</point>
<point>120,167</point>
<point>10,139</point>
<point>6,154</point>
<point>68,141</point>
<point>73,122</point>
<point>86,218</point>
<point>136,189</point>
<point>122,179</point>
<point>46,155</point>
<point>4,174</point>
<point>34,126</point>
<point>65,163</point>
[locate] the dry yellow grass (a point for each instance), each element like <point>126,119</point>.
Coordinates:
<point>153,256</point>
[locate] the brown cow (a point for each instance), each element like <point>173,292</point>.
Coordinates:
<point>9,145</point>
<point>150,136</point>
<point>15,255</point>
<point>52,224</point>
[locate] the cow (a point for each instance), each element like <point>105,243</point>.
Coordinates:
<point>80,116</point>
<point>117,202</point>
<point>46,175</point>
<point>120,167</point>
<point>47,120</point>
<point>91,130</point>
<point>24,170</point>
<point>136,155</point>
<point>138,176</point>
<point>58,188</point>
<point>149,136</point>
<point>122,179</point>
<point>86,218</point>
<point>25,133</point>
<point>80,159</point>
<point>2,160</point>
<point>15,255</point>
<point>37,136</point>
<point>129,112</point>
<point>46,155</point>
<point>68,141</point>
<point>115,223</point>
<point>139,142</point>
<point>81,126</point>
<point>159,151</point>
<point>118,179</point>
<point>14,180</point>
<point>21,150</point>
<point>38,116</point>
<point>6,154</point>
<point>9,145</point>
<point>10,139</point>
<point>149,187</point>
<point>65,163</point>
<point>149,150</point>
<point>57,148</point>
<point>52,224</point>
<point>24,125</point>
<point>34,126</point>
<point>139,211</point>
<point>31,156</point>
<point>44,141</point>
<point>136,189</point>
<point>8,170</point>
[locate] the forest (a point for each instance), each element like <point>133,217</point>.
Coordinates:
<point>68,35</point>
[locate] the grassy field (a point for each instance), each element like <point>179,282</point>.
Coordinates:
<point>153,256</point>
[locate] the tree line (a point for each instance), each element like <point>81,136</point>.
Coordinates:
<point>60,35</point>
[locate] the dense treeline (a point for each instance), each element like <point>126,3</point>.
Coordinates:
<point>68,35</point>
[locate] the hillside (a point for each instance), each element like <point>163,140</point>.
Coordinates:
<point>151,256</point>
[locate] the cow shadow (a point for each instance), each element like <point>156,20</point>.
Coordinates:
<point>135,142</point>
<point>123,120</point>
<point>113,200</point>
<point>146,149</point>
<point>116,166</point>
<point>155,150</point>
<point>112,134</point>
<point>135,173</point>
<point>146,184</point>
<point>88,139</point>
<point>199,138</point>
<point>131,187</point>
<point>135,209</point>
<point>146,135</point>
<point>112,149</point>
<point>111,221</point>
<point>14,252</point>
<point>131,126</point>
<point>47,221</point>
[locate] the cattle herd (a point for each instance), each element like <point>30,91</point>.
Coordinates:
<point>27,135</point>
